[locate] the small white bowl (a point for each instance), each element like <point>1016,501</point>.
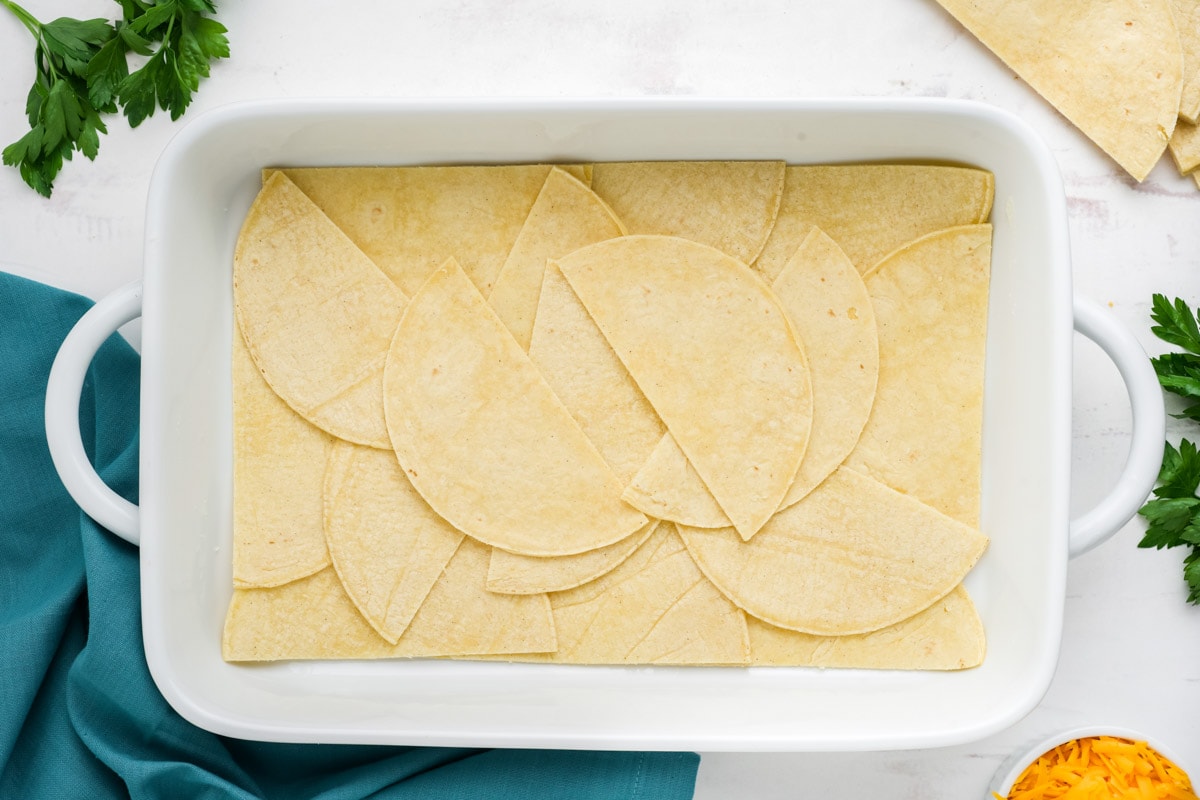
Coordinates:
<point>1002,782</point>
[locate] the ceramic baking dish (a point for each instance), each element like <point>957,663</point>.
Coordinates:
<point>199,194</point>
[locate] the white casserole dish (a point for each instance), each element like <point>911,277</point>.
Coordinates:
<point>199,194</point>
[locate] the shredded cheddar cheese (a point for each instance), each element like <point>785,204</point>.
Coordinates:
<point>1102,768</point>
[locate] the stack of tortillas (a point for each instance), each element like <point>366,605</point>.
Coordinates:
<point>1126,73</point>
<point>721,413</point>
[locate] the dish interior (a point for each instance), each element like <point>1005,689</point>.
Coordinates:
<point>199,195</point>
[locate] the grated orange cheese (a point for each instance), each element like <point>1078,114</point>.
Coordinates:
<point>1102,768</point>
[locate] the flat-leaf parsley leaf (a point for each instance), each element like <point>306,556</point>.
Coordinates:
<point>1173,516</point>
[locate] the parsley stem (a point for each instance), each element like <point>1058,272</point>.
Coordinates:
<point>28,20</point>
<point>35,27</point>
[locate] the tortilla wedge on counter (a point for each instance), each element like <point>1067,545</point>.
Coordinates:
<point>729,205</point>
<point>566,216</point>
<point>871,209</point>
<point>1185,147</point>
<point>1114,69</point>
<point>735,391</point>
<point>1187,21</point>
<point>924,435</point>
<point>278,463</point>
<point>854,556</point>
<point>948,635</point>
<point>299,285</point>
<point>387,545</point>
<point>484,439</point>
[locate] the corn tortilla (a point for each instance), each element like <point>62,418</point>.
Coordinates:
<point>566,216</point>
<point>1185,147</point>
<point>1114,69</point>
<point>300,286</point>
<point>484,439</point>
<point>278,464</point>
<point>729,205</point>
<point>871,209</point>
<point>387,545</point>
<point>946,636</point>
<point>513,574</point>
<point>586,375</point>
<point>712,350</point>
<point>852,557</point>
<point>668,487</point>
<point>1187,22</point>
<point>924,435</point>
<point>828,304</point>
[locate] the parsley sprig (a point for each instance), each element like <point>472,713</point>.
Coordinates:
<point>82,72</point>
<point>1174,513</point>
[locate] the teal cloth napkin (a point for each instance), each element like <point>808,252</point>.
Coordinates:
<point>80,716</point>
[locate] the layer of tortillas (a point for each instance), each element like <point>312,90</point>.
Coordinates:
<point>924,436</point>
<point>713,351</point>
<point>459,617</point>
<point>655,608</point>
<point>514,574</point>
<point>484,439</point>
<point>947,635</point>
<point>827,302</point>
<point>566,216</point>
<point>729,205</point>
<point>827,566</point>
<point>388,546</point>
<point>409,220</point>
<point>871,209</point>
<point>299,284</point>
<point>278,468</point>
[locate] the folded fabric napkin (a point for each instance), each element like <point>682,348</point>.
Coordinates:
<point>79,713</point>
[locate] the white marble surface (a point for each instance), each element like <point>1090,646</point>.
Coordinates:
<point>1131,645</point>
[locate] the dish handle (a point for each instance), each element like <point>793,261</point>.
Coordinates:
<point>1149,429</point>
<point>63,390</point>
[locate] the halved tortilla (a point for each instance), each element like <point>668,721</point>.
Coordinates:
<point>566,216</point>
<point>484,439</point>
<point>409,220</point>
<point>1114,69</point>
<point>871,209</point>
<point>1185,147</point>
<point>712,350</point>
<point>1187,22</point>
<point>948,635</point>
<point>852,557</point>
<point>729,205</point>
<point>828,304</point>
<point>387,545</point>
<point>668,487</point>
<point>655,608</point>
<point>513,574</point>
<point>315,618</point>
<point>316,313</point>
<point>924,434</point>
<point>278,464</point>
<point>585,373</point>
